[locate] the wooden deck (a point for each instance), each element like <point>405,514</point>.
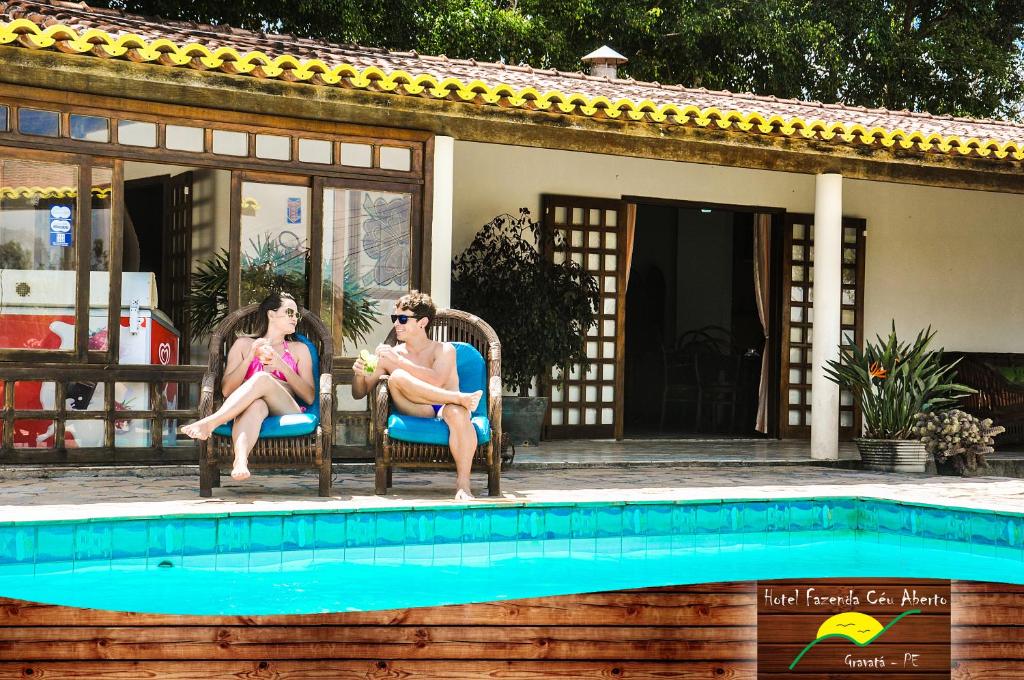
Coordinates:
<point>703,631</point>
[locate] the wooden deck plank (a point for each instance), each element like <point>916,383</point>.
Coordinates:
<point>1002,669</point>
<point>612,609</point>
<point>373,670</point>
<point>374,642</point>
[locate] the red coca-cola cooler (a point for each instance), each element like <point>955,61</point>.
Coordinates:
<point>38,315</point>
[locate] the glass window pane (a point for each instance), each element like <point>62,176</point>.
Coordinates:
<point>90,128</point>
<point>394,158</point>
<point>273,147</point>
<point>230,143</point>
<point>136,133</point>
<point>99,258</point>
<point>366,263</point>
<point>184,138</point>
<point>314,151</point>
<point>38,202</point>
<point>275,241</point>
<point>37,122</point>
<point>3,118</point>
<point>357,155</point>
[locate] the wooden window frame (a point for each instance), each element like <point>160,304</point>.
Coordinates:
<point>83,226</point>
<point>57,366</point>
<point>114,110</point>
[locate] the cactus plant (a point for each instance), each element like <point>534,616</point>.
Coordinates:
<point>957,440</point>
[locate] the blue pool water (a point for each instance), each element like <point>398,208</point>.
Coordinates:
<point>297,563</point>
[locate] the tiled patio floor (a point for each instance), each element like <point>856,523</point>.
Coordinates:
<point>111,493</point>
<point>583,452</point>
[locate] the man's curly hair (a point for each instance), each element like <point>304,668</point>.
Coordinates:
<point>420,304</point>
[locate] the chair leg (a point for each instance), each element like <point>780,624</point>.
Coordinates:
<point>206,482</point>
<point>380,486</point>
<point>390,470</point>
<point>494,478</point>
<point>325,475</point>
<point>215,473</point>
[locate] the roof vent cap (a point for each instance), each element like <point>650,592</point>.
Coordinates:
<point>604,61</point>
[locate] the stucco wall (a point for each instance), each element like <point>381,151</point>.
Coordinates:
<point>949,258</point>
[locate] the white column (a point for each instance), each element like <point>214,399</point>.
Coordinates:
<point>828,250</point>
<point>441,223</point>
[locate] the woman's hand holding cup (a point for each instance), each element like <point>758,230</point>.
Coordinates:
<point>264,351</point>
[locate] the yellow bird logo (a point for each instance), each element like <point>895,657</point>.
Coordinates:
<point>860,629</point>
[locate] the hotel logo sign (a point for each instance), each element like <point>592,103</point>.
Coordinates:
<point>853,628</point>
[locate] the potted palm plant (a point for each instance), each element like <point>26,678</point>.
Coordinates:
<point>268,265</point>
<point>894,382</point>
<point>541,309</point>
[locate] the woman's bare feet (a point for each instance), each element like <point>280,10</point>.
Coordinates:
<point>464,495</point>
<point>198,430</point>
<point>240,473</point>
<point>471,400</point>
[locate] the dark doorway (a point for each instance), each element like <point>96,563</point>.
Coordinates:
<point>694,337</point>
<point>145,213</point>
<point>158,239</point>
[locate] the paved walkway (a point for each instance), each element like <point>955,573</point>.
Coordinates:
<point>113,493</point>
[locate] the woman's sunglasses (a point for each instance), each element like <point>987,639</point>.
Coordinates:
<point>289,312</point>
<point>403,318</point>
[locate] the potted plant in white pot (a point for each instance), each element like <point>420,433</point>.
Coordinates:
<point>894,382</point>
<point>540,309</point>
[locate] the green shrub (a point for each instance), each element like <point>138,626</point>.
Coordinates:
<point>541,310</point>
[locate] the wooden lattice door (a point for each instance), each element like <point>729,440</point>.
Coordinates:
<point>177,253</point>
<point>588,404</point>
<point>797,313</point>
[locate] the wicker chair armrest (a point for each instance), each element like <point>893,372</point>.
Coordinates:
<point>327,407</point>
<point>380,406</point>
<point>494,391</point>
<point>206,395</point>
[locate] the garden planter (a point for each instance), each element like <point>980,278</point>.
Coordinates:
<point>523,417</point>
<point>892,455</point>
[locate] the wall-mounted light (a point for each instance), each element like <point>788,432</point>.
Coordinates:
<point>706,211</point>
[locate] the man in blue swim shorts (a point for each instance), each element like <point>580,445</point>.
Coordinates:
<point>424,381</point>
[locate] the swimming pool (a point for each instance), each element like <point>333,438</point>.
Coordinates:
<point>328,561</point>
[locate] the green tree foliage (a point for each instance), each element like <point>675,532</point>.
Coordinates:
<point>956,57</point>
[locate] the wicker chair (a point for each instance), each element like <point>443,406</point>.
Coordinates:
<point>997,398</point>
<point>312,450</point>
<point>449,325</point>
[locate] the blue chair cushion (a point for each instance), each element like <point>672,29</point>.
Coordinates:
<point>295,424</point>
<point>431,430</point>
<point>291,425</point>
<point>472,377</point>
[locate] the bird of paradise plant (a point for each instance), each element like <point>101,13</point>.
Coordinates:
<point>894,381</point>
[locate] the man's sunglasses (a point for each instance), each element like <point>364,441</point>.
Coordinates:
<point>403,318</point>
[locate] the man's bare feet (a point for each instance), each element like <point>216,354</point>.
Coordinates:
<point>240,473</point>
<point>464,495</point>
<point>472,400</point>
<point>197,430</point>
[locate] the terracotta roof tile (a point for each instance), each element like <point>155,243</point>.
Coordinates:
<point>80,17</point>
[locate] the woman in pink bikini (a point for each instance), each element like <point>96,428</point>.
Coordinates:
<point>269,373</point>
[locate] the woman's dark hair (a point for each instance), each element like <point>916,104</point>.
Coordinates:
<point>271,303</point>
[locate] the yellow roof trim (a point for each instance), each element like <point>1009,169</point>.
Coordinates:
<point>26,33</point>
<point>10,193</point>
